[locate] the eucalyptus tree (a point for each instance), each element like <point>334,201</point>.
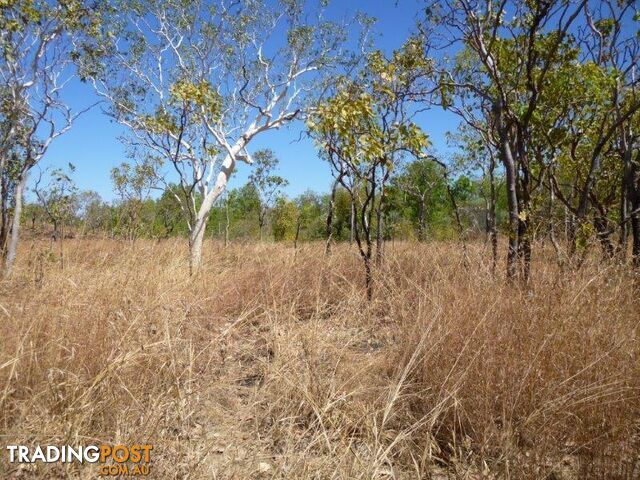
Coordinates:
<point>363,130</point>
<point>579,135</point>
<point>95,214</point>
<point>573,147</point>
<point>134,184</point>
<point>267,185</point>
<point>422,184</point>
<point>611,42</point>
<point>39,42</point>
<point>507,50</point>
<point>197,81</point>
<point>58,199</point>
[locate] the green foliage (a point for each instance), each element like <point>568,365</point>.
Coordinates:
<point>284,220</point>
<point>366,121</point>
<point>58,198</point>
<point>134,185</point>
<point>135,181</point>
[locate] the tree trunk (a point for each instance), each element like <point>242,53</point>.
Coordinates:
<point>624,220</point>
<point>628,200</point>
<point>4,206</point>
<point>196,236</point>
<point>604,235</point>
<point>552,226</point>
<point>12,247</point>
<point>635,230</point>
<point>456,216</point>
<point>634,203</point>
<point>261,221</point>
<point>422,224</point>
<point>512,198</point>
<point>295,240</point>
<point>226,226</point>
<point>380,214</point>
<point>492,232</point>
<point>379,233</point>
<point>524,231</point>
<point>352,223</point>
<point>4,212</point>
<point>329,229</point>
<point>62,245</point>
<point>365,245</point>
<point>196,239</point>
<point>368,278</point>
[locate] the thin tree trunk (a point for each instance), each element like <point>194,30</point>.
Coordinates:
<point>524,231</point>
<point>4,214</point>
<point>352,223</point>
<point>4,207</point>
<point>491,215</point>
<point>634,201</point>
<point>628,194</point>
<point>624,220</point>
<point>62,245</point>
<point>226,227</point>
<point>422,224</point>
<point>512,199</point>
<point>295,240</point>
<point>552,228</point>
<point>380,230</point>
<point>365,246</point>
<point>379,239</point>
<point>261,219</point>
<point>12,247</point>
<point>635,230</point>
<point>365,253</point>
<point>604,235</point>
<point>329,229</point>
<point>456,216</point>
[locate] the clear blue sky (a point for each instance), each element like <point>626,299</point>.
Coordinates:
<point>93,146</point>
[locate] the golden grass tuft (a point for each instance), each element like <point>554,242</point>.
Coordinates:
<point>271,363</point>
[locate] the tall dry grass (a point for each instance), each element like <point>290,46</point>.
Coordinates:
<point>271,364</point>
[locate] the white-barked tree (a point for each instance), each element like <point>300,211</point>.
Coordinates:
<point>197,81</point>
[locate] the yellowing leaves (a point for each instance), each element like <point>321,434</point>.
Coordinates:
<point>200,94</point>
<point>160,123</point>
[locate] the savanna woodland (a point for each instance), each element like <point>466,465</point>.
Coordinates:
<point>458,298</point>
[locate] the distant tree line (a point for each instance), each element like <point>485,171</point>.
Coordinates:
<point>417,207</point>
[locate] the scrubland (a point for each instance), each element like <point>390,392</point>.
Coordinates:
<point>270,363</point>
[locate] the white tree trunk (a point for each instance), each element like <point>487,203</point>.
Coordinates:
<point>196,236</point>
<point>196,239</point>
<point>15,226</point>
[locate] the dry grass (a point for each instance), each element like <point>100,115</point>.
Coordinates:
<point>272,365</point>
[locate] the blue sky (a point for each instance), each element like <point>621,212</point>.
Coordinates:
<point>93,146</point>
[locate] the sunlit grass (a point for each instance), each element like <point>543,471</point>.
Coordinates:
<point>272,364</point>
